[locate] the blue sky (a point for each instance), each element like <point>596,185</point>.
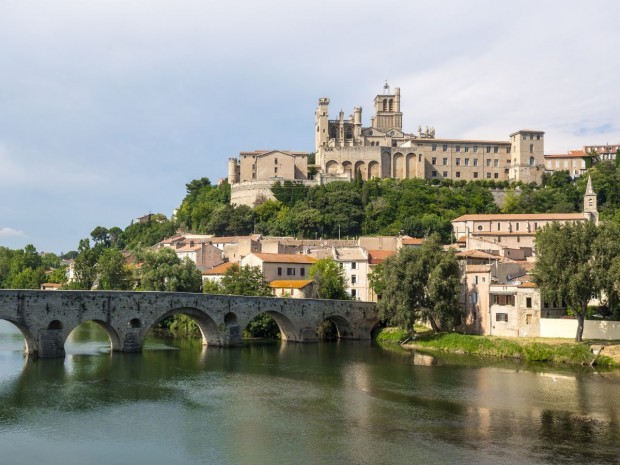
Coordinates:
<point>108,108</point>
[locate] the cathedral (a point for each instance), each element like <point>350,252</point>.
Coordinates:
<point>384,150</point>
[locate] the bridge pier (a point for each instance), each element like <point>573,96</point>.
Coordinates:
<point>232,336</point>
<point>51,343</point>
<point>132,342</point>
<point>308,335</point>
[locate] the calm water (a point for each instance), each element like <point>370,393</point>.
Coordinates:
<point>327,403</point>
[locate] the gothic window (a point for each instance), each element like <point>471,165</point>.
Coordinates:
<point>349,133</point>
<point>332,132</point>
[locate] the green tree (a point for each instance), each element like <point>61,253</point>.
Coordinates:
<point>163,270</point>
<point>84,266</point>
<point>329,279</point>
<point>244,280</point>
<point>421,284</point>
<point>248,280</point>
<point>565,269</point>
<point>112,272</point>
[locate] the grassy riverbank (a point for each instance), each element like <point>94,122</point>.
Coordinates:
<point>527,349</point>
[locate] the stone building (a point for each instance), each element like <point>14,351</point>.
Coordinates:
<point>384,150</point>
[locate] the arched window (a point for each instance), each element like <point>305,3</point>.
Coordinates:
<point>384,104</point>
<point>332,132</point>
<point>391,105</point>
<point>532,161</point>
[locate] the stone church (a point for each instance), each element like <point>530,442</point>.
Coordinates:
<point>384,150</point>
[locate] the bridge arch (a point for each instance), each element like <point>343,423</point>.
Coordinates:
<point>343,326</point>
<point>113,337</point>
<point>32,348</point>
<point>288,331</point>
<point>209,330</point>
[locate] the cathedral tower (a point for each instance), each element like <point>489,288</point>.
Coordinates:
<point>387,110</point>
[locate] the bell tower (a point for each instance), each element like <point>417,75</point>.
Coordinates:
<point>590,205</point>
<point>387,110</point>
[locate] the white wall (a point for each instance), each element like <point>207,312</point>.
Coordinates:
<point>551,327</point>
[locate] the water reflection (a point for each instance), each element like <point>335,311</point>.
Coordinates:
<point>344,402</point>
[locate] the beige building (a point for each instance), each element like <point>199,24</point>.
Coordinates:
<point>384,150</point>
<point>280,266</point>
<point>297,289</point>
<point>573,162</point>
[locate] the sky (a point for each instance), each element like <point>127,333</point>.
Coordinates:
<point>109,107</point>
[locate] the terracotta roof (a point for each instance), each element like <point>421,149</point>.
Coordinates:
<point>51,285</point>
<point>285,258</point>
<point>528,284</point>
<point>376,257</point>
<point>406,240</point>
<point>570,154</point>
<point>476,254</point>
<point>462,240</point>
<point>521,217</point>
<point>219,269</point>
<point>289,283</point>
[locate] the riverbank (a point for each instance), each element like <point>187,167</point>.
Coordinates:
<point>527,349</point>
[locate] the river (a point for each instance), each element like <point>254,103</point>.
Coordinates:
<point>278,403</point>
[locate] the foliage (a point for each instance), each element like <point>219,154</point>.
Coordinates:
<point>247,280</point>
<point>242,280</point>
<point>329,279</point>
<point>420,284</point>
<point>143,234</point>
<point>392,335</point>
<point>112,272</point>
<point>84,266</point>
<point>532,351</point>
<point>163,270</point>
<point>565,268</point>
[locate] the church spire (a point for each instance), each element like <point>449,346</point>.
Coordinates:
<point>590,205</point>
<point>589,190</point>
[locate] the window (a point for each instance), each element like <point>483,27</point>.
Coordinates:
<point>353,279</point>
<point>488,162</point>
<point>433,161</point>
<point>528,302</point>
<point>457,161</point>
<point>353,265</point>
<point>501,317</point>
<point>354,293</point>
<point>475,148</point>
<point>474,297</point>
<point>467,162</point>
<point>531,148</point>
<point>275,160</point>
<point>434,174</point>
<point>458,148</point>
<point>517,226</point>
<point>279,271</point>
<point>495,175</point>
<point>499,226</point>
<point>508,149</point>
<point>488,175</point>
<point>445,161</point>
<point>495,149</point>
<point>475,162</point>
<point>475,174</point>
<point>528,319</point>
<point>445,147</point>
<point>466,148</point>
<point>434,147</point>
<point>495,163</point>
<point>302,271</point>
<point>537,136</point>
<point>275,170</point>
<point>476,277</point>
<point>445,174</point>
<point>488,149</point>
<point>457,174</point>
<point>290,271</point>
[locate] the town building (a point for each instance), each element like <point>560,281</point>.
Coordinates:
<point>574,162</point>
<point>383,150</point>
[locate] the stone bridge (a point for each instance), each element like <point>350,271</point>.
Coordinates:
<point>46,318</point>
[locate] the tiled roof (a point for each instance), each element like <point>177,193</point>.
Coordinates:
<point>406,240</point>
<point>285,258</point>
<point>290,283</point>
<point>376,257</point>
<point>521,217</point>
<point>570,154</point>
<point>219,269</point>
<point>528,284</point>
<point>476,254</point>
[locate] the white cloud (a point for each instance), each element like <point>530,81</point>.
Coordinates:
<point>10,232</point>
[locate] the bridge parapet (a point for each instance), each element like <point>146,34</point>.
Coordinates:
<point>46,318</point>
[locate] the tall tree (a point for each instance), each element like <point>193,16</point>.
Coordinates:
<point>329,279</point>
<point>163,270</point>
<point>420,284</point>
<point>111,271</point>
<point>566,269</point>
